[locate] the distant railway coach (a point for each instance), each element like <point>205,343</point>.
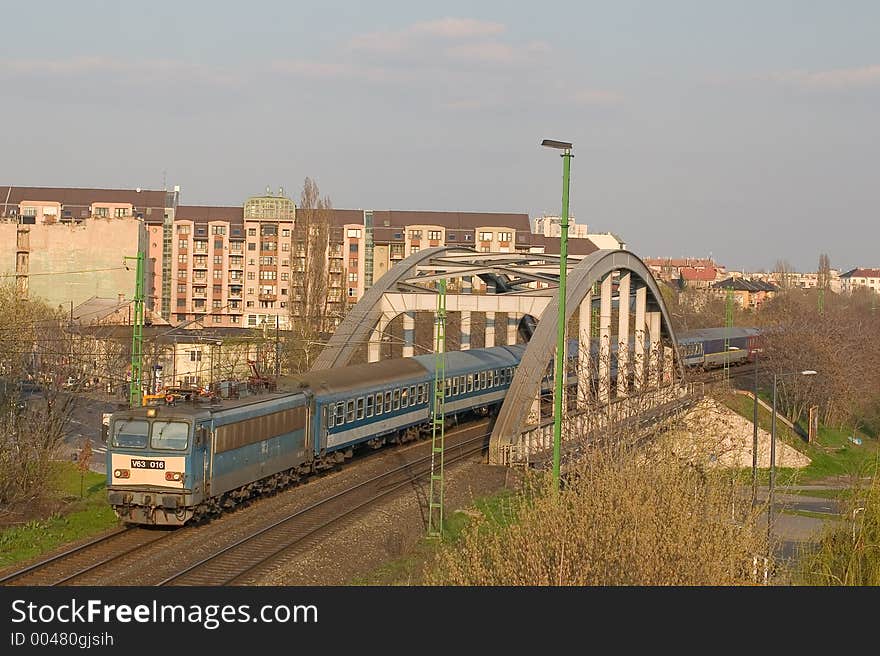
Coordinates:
<point>713,347</point>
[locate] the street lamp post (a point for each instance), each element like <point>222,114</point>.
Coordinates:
<point>776,377</point>
<point>565,147</point>
<point>755,437</point>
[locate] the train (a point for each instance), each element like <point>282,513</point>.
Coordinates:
<point>172,464</point>
<point>180,462</point>
<point>710,348</point>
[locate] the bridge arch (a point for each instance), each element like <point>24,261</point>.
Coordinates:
<point>598,267</point>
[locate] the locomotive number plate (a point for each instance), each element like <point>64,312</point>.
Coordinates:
<point>137,463</point>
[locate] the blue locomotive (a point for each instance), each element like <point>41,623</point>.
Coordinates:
<point>170,464</point>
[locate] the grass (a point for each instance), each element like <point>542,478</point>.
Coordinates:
<point>77,519</point>
<point>831,453</point>
<point>407,570</point>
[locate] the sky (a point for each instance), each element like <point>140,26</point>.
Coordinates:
<point>748,131</point>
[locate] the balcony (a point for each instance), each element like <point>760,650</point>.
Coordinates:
<point>268,297</point>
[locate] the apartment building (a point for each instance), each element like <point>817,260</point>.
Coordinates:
<point>233,266</point>
<point>67,244</point>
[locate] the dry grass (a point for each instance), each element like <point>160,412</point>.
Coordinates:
<point>848,553</point>
<point>621,519</point>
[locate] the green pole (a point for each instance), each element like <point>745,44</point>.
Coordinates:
<point>560,321</point>
<point>137,335</point>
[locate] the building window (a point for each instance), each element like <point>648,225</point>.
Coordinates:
<point>354,233</point>
<point>352,276</point>
<point>352,292</point>
<point>182,258</point>
<point>268,246</point>
<point>505,236</point>
<point>195,356</point>
<point>181,289</point>
<point>183,244</point>
<point>251,275</point>
<point>268,275</point>
<point>252,232</point>
<point>120,213</point>
<point>434,234</point>
<point>353,248</point>
<point>218,274</point>
<point>217,318</point>
<point>285,232</point>
<point>183,229</point>
<point>413,249</point>
<point>467,236</point>
<point>217,304</point>
<point>285,247</point>
<point>396,250</point>
<point>218,244</point>
<point>353,264</point>
<point>218,230</point>
<point>218,259</point>
<point>249,304</point>
<point>234,318</point>
<point>181,302</point>
<point>285,276</point>
<point>415,234</point>
<point>252,246</point>
<point>486,236</point>
<point>102,212</point>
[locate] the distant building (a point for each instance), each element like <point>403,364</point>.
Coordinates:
<point>668,269</point>
<point>746,293</point>
<point>551,226</point>
<point>860,278</point>
<point>697,277</point>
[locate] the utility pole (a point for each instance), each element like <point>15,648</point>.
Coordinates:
<point>438,427</point>
<point>728,324</point>
<point>135,397</point>
<point>277,352</point>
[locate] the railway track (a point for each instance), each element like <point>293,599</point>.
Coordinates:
<point>66,567</point>
<point>240,562</point>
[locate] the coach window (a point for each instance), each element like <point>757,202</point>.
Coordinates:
<point>396,399</point>
<point>412,395</point>
<point>331,418</point>
<point>349,413</point>
<point>378,403</point>
<point>421,394</point>
<point>340,413</point>
<point>370,405</point>
<point>360,408</point>
<point>482,380</point>
<point>470,382</point>
<point>455,386</point>
<point>387,402</point>
<point>404,398</point>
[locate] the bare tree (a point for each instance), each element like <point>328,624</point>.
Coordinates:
<point>310,322</point>
<point>824,272</point>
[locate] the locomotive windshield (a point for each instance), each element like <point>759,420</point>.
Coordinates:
<point>133,433</point>
<point>169,435</point>
<point>130,433</point>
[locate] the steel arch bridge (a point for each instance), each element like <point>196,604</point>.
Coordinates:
<point>614,360</point>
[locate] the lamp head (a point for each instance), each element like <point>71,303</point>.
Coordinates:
<point>561,145</point>
<point>809,372</point>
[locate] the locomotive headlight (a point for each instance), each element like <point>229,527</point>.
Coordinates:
<point>173,476</point>
<point>121,473</point>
